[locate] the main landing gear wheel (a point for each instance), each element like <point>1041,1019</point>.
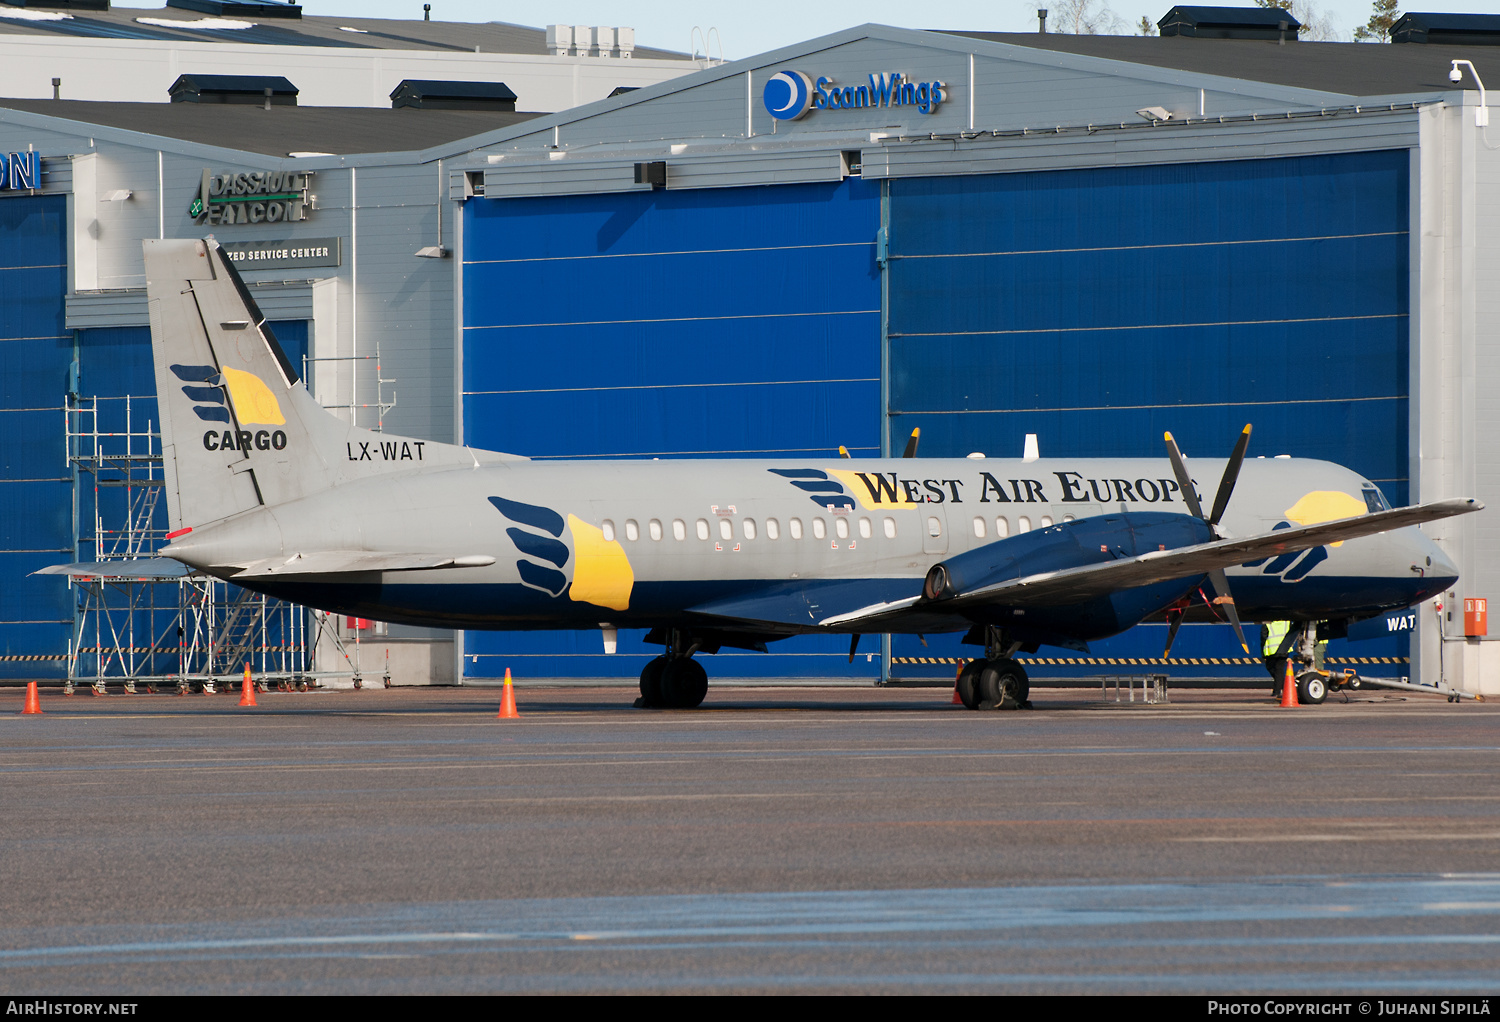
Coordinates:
<point>1003,685</point>
<point>968,684</point>
<point>1312,688</point>
<point>651,682</point>
<point>684,683</point>
<point>677,684</point>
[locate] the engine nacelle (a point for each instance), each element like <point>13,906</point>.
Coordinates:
<point>1094,540</point>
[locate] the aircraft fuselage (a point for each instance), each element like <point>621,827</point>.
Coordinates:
<point>636,543</point>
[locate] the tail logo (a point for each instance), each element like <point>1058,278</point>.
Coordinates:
<point>253,402</point>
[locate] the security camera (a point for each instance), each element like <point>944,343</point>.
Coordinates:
<point>1455,75</point>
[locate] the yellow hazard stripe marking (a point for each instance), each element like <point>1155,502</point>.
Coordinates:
<point>1148,661</point>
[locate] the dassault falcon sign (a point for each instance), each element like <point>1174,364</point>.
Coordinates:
<point>253,197</point>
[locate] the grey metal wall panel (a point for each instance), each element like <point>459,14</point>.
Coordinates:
<point>57,174</point>
<point>91,310</point>
<point>122,223</point>
<point>1015,94</point>
<point>580,176</point>
<point>560,177</point>
<point>1484,578</point>
<point>405,302</point>
<point>732,171</point>
<point>712,110</point>
<point>1162,144</point>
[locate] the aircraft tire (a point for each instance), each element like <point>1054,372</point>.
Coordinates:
<point>1312,689</point>
<point>684,683</point>
<point>1003,685</point>
<point>651,693</point>
<point>968,684</point>
<point>1023,691</point>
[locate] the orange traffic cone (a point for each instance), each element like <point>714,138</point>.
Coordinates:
<point>1289,688</point>
<point>956,700</point>
<point>247,688</point>
<point>33,704</point>
<point>508,701</point>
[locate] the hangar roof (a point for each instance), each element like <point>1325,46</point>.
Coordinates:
<point>282,129</point>
<point>172,24</point>
<point>1351,69</point>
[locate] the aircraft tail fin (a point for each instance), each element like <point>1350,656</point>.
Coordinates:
<point>239,429</point>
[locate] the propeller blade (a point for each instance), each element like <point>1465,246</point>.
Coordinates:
<point>911,445</point>
<point>1224,601</point>
<point>1184,482</point>
<point>853,645</point>
<point>1174,619</point>
<point>843,451</point>
<point>1231,473</point>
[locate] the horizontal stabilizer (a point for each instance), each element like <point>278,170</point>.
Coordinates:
<point>329,562</point>
<point>140,567</point>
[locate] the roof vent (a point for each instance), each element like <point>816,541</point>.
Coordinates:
<point>1269,23</point>
<point>1467,29</point>
<point>428,95</point>
<point>246,89</point>
<point>240,8</point>
<point>61,5</point>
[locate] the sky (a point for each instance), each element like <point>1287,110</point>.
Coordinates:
<point>746,29</point>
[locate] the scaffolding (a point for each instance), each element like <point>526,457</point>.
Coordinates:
<point>353,405</point>
<point>158,624</point>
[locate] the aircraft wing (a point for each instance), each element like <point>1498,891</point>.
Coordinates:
<point>1077,585</point>
<point>139,568</point>
<point>336,562</point>
<point>799,605</point>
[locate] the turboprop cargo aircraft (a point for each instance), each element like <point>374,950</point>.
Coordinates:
<point>266,489</point>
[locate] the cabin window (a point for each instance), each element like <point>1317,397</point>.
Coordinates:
<point>865,531</point>
<point>679,529</point>
<point>632,530</point>
<point>773,530</point>
<point>1067,518</point>
<point>819,529</point>
<point>655,528</point>
<point>1046,521</point>
<point>979,528</point>
<point>1002,527</point>
<point>749,528</point>
<point>702,529</point>
<point>890,528</point>
<point>1023,524</point>
<point>841,528</point>
<point>934,526</point>
<point>726,529</point>
<point>608,528</point>
<point>794,528</point>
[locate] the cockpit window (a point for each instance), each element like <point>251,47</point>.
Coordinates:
<point>1375,500</point>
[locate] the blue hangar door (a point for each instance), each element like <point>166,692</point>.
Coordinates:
<point>704,323</point>
<point>36,523</point>
<point>1098,308</point>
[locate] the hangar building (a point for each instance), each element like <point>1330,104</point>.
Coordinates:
<point>1092,239</point>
